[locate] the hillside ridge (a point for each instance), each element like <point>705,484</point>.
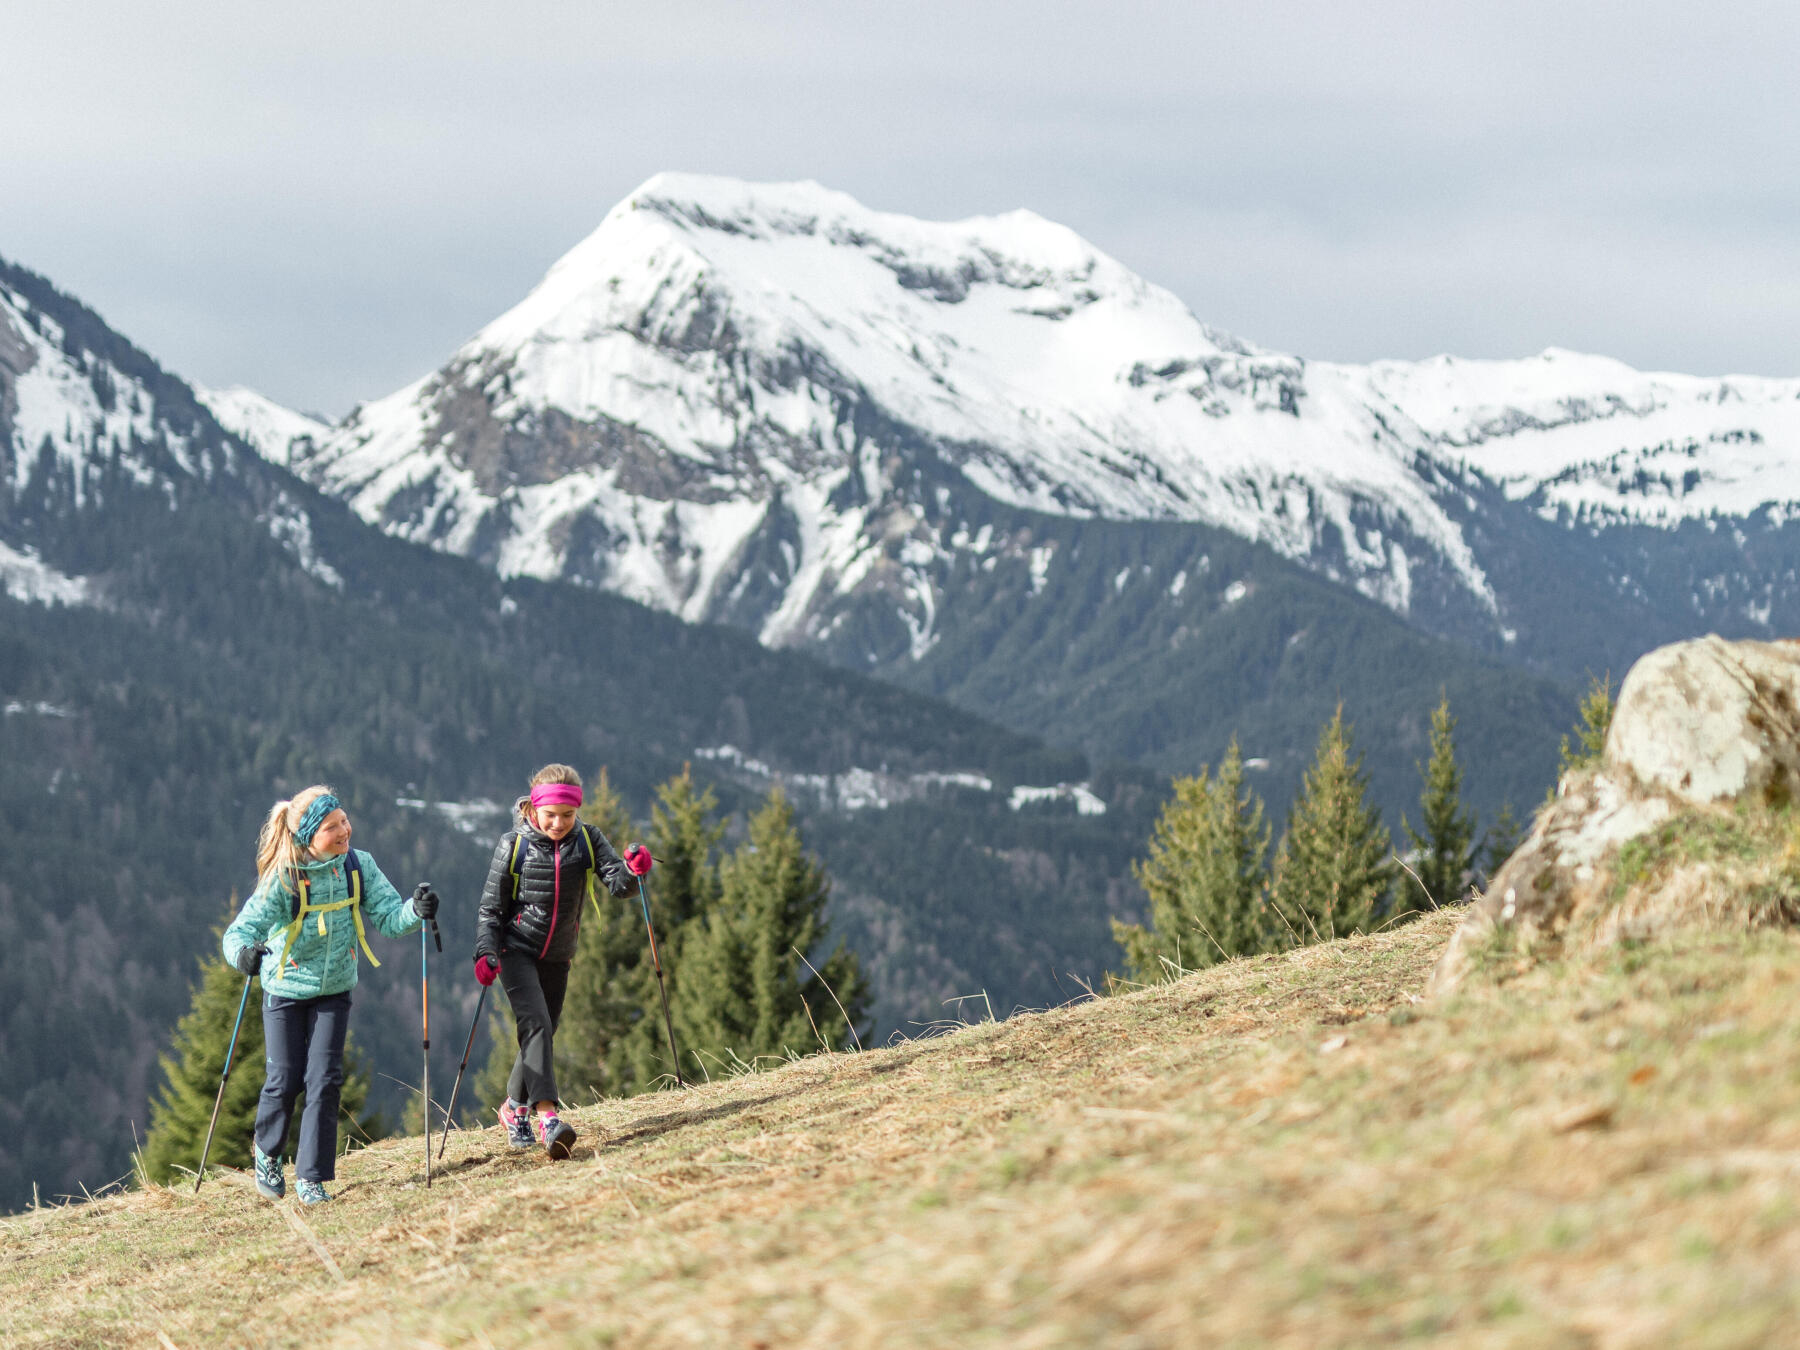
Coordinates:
<point>1291,1149</point>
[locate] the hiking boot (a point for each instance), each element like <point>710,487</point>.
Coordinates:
<point>311,1192</point>
<point>268,1175</point>
<point>558,1135</point>
<point>516,1121</point>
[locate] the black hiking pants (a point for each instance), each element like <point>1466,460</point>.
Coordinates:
<point>303,1041</point>
<point>535,989</point>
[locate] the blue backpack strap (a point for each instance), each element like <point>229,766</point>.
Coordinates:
<point>353,876</point>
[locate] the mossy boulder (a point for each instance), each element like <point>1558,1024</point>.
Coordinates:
<point>1689,817</point>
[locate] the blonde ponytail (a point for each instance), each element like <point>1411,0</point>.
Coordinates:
<point>276,848</point>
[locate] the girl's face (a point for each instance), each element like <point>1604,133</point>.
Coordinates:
<point>332,839</point>
<point>556,821</point>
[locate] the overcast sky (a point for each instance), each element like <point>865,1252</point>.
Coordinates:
<point>323,202</point>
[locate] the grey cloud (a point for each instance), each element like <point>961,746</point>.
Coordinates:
<point>323,202</point>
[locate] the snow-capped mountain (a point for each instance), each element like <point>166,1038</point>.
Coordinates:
<point>87,419</point>
<point>770,405</point>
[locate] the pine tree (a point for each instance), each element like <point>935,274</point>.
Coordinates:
<point>1332,868</point>
<point>1590,732</point>
<point>191,1067</point>
<point>684,888</point>
<point>600,1007</point>
<point>1205,877</point>
<point>746,992</point>
<point>1446,850</point>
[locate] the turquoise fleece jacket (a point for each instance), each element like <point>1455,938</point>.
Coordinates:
<point>318,964</point>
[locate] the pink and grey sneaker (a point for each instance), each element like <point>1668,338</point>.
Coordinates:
<point>558,1135</point>
<point>515,1119</point>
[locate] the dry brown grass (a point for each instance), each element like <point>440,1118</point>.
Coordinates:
<point>1289,1151</point>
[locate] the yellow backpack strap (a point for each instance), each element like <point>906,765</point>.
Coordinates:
<point>593,881</point>
<point>293,929</point>
<point>352,902</point>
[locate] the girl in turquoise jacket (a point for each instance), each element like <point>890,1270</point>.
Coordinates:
<point>300,930</point>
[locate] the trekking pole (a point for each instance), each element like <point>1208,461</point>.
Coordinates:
<point>224,1073</point>
<point>450,1110</point>
<point>425,1033</point>
<point>656,960</point>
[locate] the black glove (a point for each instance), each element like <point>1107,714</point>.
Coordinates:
<point>249,959</point>
<point>425,902</point>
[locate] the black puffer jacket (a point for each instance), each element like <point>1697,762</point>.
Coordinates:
<point>540,914</point>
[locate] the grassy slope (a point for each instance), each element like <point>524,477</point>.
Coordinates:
<point>1193,1164</point>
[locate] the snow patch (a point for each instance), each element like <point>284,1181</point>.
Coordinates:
<point>1079,793</point>
<point>855,789</point>
<point>479,816</point>
<point>26,576</point>
<point>291,527</point>
<point>17,709</point>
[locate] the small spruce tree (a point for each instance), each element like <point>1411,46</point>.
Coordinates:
<point>746,993</point>
<point>684,832</point>
<point>1205,877</point>
<point>1590,732</point>
<point>1446,848</point>
<point>1333,867</point>
<point>600,1005</point>
<point>190,1068</point>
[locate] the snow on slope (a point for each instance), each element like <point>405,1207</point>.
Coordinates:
<point>268,427</point>
<point>726,373</point>
<point>1596,435</point>
<point>25,576</point>
<point>75,413</point>
<point>69,417</point>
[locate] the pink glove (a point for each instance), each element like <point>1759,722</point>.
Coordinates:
<point>638,860</point>
<point>485,970</point>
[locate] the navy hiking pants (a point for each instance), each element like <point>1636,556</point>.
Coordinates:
<point>303,1039</point>
<point>535,989</point>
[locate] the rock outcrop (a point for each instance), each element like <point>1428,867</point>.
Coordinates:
<point>1688,815</point>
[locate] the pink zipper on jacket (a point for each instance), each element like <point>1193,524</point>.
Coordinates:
<point>555,897</point>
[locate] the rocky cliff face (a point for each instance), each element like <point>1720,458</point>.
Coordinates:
<point>1689,817</point>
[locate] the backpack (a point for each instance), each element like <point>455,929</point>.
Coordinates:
<point>513,867</point>
<point>301,906</point>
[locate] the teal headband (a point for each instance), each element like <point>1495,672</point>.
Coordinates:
<point>322,805</point>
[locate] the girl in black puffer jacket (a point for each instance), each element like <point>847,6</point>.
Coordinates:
<point>526,931</point>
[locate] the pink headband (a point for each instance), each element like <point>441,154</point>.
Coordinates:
<point>556,794</point>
